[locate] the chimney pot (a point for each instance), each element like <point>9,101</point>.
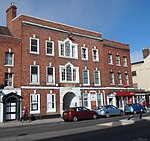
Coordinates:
<point>145,52</point>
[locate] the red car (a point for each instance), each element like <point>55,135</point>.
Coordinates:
<point>78,113</point>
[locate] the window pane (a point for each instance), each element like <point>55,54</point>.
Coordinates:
<point>34,78</point>
<point>34,42</point>
<point>63,74</point>
<point>34,74</point>
<point>67,48</point>
<point>8,58</point>
<point>94,54</point>
<point>84,53</point>
<point>34,45</point>
<point>34,70</point>
<point>85,99</point>
<point>8,79</point>
<point>49,48</point>
<point>69,73</point>
<point>62,49</point>
<point>74,74</point>
<point>73,51</point>
<point>85,77</point>
<point>50,75</point>
<point>96,76</point>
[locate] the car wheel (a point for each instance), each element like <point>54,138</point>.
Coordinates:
<point>95,116</point>
<point>134,112</point>
<point>75,118</point>
<point>107,115</point>
<point>121,113</point>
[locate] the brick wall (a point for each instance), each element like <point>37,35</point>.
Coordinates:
<point>14,44</point>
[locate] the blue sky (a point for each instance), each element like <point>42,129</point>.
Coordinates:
<point>125,21</point>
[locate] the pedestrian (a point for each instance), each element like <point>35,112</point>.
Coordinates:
<point>144,104</point>
<point>141,112</point>
<point>25,115</point>
<point>132,115</point>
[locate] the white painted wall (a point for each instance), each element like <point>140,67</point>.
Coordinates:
<point>75,90</point>
<point>143,74</point>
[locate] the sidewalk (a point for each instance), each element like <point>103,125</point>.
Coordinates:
<point>40,121</point>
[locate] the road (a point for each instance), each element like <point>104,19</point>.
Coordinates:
<point>135,132</point>
<point>106,129</point>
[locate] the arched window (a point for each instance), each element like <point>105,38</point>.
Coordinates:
<point>68,49</point>
<point>69,73</point>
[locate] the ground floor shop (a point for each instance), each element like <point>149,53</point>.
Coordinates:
<point>45,102</point>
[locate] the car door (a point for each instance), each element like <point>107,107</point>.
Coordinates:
<point>86,113</point>
<point>114,110</point>
<point>79,112</point>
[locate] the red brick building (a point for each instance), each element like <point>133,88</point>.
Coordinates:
<point>58,66</point>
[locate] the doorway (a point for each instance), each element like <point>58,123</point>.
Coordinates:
<point>11,108</point>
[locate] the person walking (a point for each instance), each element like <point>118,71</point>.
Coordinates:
<point>25,115</point>
<point>133,113</point>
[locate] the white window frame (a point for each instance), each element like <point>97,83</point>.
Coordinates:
<point>87,100</point>
<point>49,54</point>
<point>63,68</point>
<point>95,55</point>
<point>50,83</point>
<point>72,53</point>
<point>119,78</point>
<point>9,59</point>
<point>110,59</point>
<point>125,64</point>
<point>101,99</point>
<point>35,101</point>
<point>86,53</point>
<point>117,60</point>
<point>34,52</point>
<point>51,101</point>
<point>38,75</point>
<point>127,78</point>
<point>112,78</point>
<point>99,82</point>
<point>87,77</point>
<point>9,80</point>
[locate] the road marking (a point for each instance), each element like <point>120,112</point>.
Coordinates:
<point>126,122</point>
<point>106,124</point>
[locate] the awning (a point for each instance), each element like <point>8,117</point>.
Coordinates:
<point>125,93</point>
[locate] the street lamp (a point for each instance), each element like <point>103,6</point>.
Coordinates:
<point>1,92</point>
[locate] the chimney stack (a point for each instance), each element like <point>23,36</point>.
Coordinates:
<point>11,13</point>
<point>145,52</point>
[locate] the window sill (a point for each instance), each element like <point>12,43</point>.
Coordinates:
<point>9,65</point>
<point>49,54</point>
<point>34,83</point>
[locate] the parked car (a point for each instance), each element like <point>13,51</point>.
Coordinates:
<point>108,110</point>
<point>134,108</point>
<point>78,113</point>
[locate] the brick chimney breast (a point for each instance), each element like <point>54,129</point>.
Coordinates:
<point>11,13</point>
<point>145,52</point>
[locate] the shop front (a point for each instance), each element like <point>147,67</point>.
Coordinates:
<point>141,97</point>
<point>123,98</point>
